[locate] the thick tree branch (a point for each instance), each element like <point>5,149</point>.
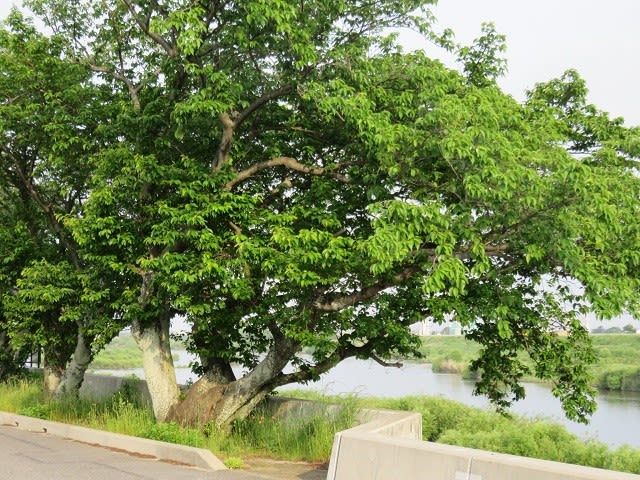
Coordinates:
<point>343,352</point>
<point>287,162</point>
<point>337,303</point>
<point>228,129</point>
<point>258,103</point>
<point>319,368</point>
<point>280,353</point>
<point>231,121</point>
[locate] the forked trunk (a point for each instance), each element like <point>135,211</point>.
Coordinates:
<point>209,402</point>
<point>212,399</point>
<point>158,365</point>
<point>74,373</point>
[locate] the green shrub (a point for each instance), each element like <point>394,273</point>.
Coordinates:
<point>42,412</point>
<point>631,381</point>
<point>620,378</point>
<point>611,380</point>
<point>173,433</point>
<point>233,462</point>
<point>469,374</point>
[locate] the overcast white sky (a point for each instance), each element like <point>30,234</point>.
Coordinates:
<point>545,37</point>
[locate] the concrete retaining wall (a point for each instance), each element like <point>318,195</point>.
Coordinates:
<point>388,447</point>
<point>99,387</point>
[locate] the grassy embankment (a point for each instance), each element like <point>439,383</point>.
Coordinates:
<point>123,352</point>
<point>310,439</point>
<point>260,435</point>
<point>617,368</point>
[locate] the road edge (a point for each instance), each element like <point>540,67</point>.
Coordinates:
<point>192,456</point>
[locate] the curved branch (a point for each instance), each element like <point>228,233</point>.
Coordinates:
<point>133,90</point>
<point>332,303</point>
<point>337,303</point>
<point>318,369</point>
<point>242,116</point>
<point>287,162</point>
<point>231,121</point>
<point>380,361</point>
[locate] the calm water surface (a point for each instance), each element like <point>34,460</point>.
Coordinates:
<point>616,422</point>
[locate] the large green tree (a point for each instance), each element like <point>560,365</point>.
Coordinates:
<point>284,176</point>
<point>52,297</point>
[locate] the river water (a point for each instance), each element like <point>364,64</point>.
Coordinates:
<point>616,422</point>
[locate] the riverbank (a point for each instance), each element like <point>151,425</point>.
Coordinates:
<point>123,353</point>
<point>617,367</point>
<point>615,423</point>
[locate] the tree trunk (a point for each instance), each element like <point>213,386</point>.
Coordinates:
<point>52,378</point>
<point>212,399</point>
<point>74,373</point>
<point>158,365</point>
<point>218,403</point>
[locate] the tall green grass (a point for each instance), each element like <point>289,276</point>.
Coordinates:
<point>262,434</point>
<point>309,438</point>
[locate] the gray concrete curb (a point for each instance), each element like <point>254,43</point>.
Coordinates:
<point>197,457</point>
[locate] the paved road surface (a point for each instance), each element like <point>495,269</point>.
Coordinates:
<point>36,456</point>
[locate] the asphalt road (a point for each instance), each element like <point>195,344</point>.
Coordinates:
<point>29,456</point>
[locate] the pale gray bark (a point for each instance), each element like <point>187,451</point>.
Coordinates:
<point>74,374</point>
<point>158,366</point>
<point>52,379</point>
<point>215,399</point>
<point>154,341</point>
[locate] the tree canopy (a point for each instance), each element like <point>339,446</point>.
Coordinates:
<point>286,178</point>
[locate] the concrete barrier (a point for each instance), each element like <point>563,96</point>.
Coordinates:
<point>197,457</point>
<point>99,387</point>
<point>389,446</point>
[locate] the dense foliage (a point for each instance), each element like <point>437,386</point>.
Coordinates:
<point>287,184</point>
